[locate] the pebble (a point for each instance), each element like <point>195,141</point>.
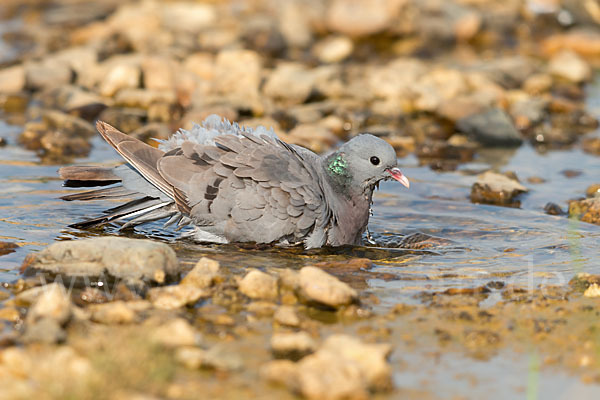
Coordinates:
<point>133,260</point>
<point>47,74</point>
<point>317,286</point>
<point>49,301</point>
<point>587,210</point>
<point>286,315</point>
<point>360,17</point>
<point>593,190</point>
<point>568,65</point>
<point>237,78</point>
<point>289,83</point>
<point>293,345</point>
<point>175,333</point>
<point>176,296</point>
<point>203,274</point>
<point>9,314</point>
<point>592,291</point>
<point>120,76</point>
<point>259,285</point>
<point>334,49</point>
<point>492,128</point>
<point>12,79</point>
<point>494,188</point>
<point>116,312</point>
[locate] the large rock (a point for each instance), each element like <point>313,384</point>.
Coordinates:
<point>132,260</point>
<point>317,286</point>
<point>492,128</point>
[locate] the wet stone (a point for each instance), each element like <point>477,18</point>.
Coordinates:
<point>133,260</point>
<point>591,145</point>
<point>292,345</point>
<point>553,209</point>
<point>592,291</point>
<point>492,128</point>
<point>120,76</point>
<point>495,188</point>
<point>593,190</point>
<point>587,210</point>
<point>7,247</point>
<point>359,17</point>
<point>259,285</point>
<point>317,286</point>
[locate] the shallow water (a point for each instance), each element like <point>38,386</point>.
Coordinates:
<point>472,244</point>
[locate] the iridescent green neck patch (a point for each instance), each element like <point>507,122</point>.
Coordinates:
<point>338,165</point>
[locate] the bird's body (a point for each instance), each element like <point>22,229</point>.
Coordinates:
<point>237,185</point>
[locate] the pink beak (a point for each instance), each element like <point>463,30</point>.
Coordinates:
<point>399,176</point>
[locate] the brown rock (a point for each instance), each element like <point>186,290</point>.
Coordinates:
<point>176,296</point>
<point>587,210</point>
<point>495,188</point>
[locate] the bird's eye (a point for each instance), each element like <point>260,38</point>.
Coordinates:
<point>375,160</point>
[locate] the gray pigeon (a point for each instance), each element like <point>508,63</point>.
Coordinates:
<point>235,184</point>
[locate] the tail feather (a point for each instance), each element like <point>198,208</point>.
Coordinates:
<point>153,197</point>
<point>106,193</point>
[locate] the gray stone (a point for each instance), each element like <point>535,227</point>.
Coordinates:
<point>133,260</point>
<point>44,75</point>
<point>492,128</point>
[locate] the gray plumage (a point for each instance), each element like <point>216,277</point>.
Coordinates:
<point>233,184</point>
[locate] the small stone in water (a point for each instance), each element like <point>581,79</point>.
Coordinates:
<point>495,188</point>
<point>553,209</point>
<point>203,274</point>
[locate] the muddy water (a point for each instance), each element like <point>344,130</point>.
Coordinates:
<point>429,238</point>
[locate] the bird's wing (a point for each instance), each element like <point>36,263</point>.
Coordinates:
<point>247,188</point>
